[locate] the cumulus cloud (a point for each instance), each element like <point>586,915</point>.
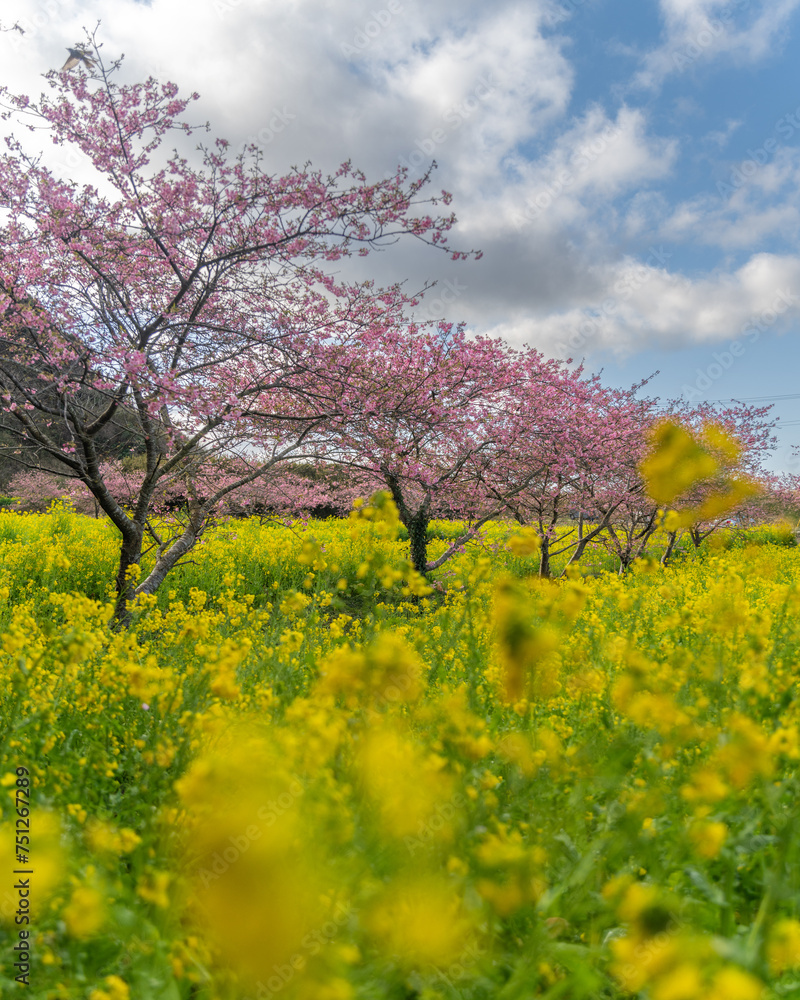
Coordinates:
<point>547,231</point>
<point>754,201</point>
<point>371,81</point>
<point>644,305</point>
<point>696,32</point>
<point>592,162</point>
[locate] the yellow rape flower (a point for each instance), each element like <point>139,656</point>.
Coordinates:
<point>46,857</point>
<point>708,838</point>
<point>413,798</point>
<point>524,648</point>
<point>525,543</point>
<point>638,960</point>
<point>706,786</point>
<point>732,983</point>
<point>256,857</point>
<point>420,921</point>
<point>106,839</point>
<point>153,886</point>
<point>381,511</point>
<point>783,946</point>
<point>387,672</point>
<point>84,915</point>
<point>677,462</point>
<point>681,983</point>
<point>116,989</point>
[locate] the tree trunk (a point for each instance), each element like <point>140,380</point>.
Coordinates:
<point>673,537</point>
<point>130,555</point>
<point>416,523</point>
<point>418,536</point>
<point>580,548</point>
<point>169,555</point>
<point>544,557</point>
<point>577,553</point>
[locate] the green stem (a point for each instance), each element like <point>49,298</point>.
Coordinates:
<point>727,911</point>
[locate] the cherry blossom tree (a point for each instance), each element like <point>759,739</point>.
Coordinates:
<point>452,425</point>
<point>190,300</point>
<point>778,499</point>
<point>623,518</point>
<point>747,439</point>
<point>736,455</point>
<point>583,463</point>
<point>37,489</point>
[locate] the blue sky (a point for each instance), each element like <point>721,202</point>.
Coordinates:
<point>733,116</point>
<point>631,170</point>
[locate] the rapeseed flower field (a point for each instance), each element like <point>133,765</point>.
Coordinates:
<point>306,772</point>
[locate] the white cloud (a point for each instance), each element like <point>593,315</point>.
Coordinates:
<point>751,203</point>
<point>699,31</point>
<point>719,138</point>
<point>591,163</point>
<point>367,80</point>
<point>645,306</point>
<point>375,82</point>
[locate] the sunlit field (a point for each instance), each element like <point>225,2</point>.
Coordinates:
<point>306,772</point>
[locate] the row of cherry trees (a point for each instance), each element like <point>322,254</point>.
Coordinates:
<point>186,305</point>
<point>560,454</point>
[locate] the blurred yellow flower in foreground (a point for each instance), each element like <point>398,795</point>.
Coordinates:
<point>84,915</point>
<point>407,789</point>
<point>258,880</point>
<point>525,543</point>
<point>679,461</point>
<point>708,838</point>
<point>106,839</point>
<point>421,921</point>
<point>783,946</point>
<point>48,862</point>
<point>388,672</point>
<point>116,989</point>
<point>523,647</point>
<point>732,983</point>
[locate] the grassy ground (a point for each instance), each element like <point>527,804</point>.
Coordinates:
<point>304,772</point>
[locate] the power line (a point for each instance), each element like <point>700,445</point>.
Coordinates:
<point>756,399</point>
